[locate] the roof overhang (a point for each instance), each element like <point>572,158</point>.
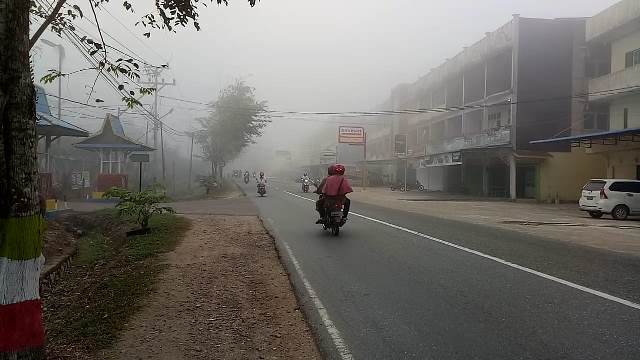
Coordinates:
<point>48,125</point>
<point>115,147</point>
<point>612,137</point>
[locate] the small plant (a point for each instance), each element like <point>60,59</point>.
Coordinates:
<point>140,206</point>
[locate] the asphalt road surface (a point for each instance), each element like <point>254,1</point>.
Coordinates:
<point>396,285</point>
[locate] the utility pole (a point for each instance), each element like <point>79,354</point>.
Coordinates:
<point>190,163</point>
<point>162,152</point>
<point>153,74</point>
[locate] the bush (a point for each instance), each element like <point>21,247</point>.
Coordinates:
<point>140,206</point>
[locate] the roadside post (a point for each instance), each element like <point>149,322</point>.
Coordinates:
<point>139,158</point>
<point>401,151</point>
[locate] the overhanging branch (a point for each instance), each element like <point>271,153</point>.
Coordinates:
<point>46,22</point>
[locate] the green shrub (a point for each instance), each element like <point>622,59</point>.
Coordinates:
<point>140,206</point>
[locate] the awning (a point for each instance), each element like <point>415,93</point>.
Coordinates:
<point>438,165</point>
<point>611,137</point>
<point>380,161</point>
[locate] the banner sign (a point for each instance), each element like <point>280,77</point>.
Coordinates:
<point>441,160</point>
<point>351,135</point>
<point>400,145</point>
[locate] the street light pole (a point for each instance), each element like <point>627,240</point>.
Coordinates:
<point>60,58</point>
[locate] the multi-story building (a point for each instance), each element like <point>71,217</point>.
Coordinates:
<point>479,111</point>
<point>610,129</point>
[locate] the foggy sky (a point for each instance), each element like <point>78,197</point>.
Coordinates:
<point>302,55</point>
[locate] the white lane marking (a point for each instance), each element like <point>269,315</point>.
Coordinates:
<point>334,333</point>
<point>501,261</point>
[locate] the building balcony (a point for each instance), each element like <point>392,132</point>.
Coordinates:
<point>488,137</point>
<point>612,21</point>
<point>614,85</point>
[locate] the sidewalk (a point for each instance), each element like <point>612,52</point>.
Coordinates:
<point>564,222</point>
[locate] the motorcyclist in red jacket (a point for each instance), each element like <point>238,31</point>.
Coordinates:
<point>334,185</point>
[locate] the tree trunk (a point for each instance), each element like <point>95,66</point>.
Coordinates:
<point>21,225</point>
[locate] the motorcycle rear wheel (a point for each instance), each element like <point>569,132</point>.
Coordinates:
<point>335,230</point>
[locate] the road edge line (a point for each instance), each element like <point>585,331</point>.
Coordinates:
<point>327,335</point>
<point>567,283</point>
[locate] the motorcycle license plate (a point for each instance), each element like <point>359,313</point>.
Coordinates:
<point>336,214</point>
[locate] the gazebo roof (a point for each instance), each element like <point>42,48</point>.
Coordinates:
<point>49,125</point>
<point>111,137</point>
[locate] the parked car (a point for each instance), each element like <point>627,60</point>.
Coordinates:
<point>618,197</point>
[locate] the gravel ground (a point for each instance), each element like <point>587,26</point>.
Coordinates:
<point>225,295</point>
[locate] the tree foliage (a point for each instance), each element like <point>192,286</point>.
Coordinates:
<point>140,206</point>
<point>167,15</point>
<point>235,120</point>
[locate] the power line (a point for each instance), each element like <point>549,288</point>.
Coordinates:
<point>111,80</point>
<point>622,90</point>
<point>108,77</point>
<point>134,35</point>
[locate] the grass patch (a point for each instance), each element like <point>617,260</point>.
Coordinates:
<point>93,248</point>
<point>106,284</point>
<point>160,239</point>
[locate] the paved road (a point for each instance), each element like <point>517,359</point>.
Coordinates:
<point>413,287</point>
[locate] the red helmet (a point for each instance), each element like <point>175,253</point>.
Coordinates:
<point>331,170</point>
<point>339,169</point>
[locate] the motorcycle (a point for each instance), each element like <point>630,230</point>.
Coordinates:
<point>262,189</point>
<point>305,185</point>
<point>333,216</point>
<point>246,178</point>
<point>409,187</point>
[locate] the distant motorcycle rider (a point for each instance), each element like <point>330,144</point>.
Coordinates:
<point>334,185</point>
<point>262,179</point>
<point>305,180</point>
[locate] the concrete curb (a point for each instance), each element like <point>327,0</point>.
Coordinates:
<point>49,275</point>
<point>321,334</point>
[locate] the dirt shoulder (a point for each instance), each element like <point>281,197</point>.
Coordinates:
<point>224,295</point>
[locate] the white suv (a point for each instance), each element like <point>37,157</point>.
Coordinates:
<point>618,197</point>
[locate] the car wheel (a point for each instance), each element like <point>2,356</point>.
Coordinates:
<point>595,214</point>
<point>620,212</point>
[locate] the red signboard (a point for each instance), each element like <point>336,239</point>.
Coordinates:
<point>351,135</point>
<point>105,182</point>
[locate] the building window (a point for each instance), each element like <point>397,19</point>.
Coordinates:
<point>596,121</point>
<point>603,121</point>
<point>588,122</point>
<point>495,119</point>
<point>632,58</point>
<point>625,119</point>
<point>423,135</point>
